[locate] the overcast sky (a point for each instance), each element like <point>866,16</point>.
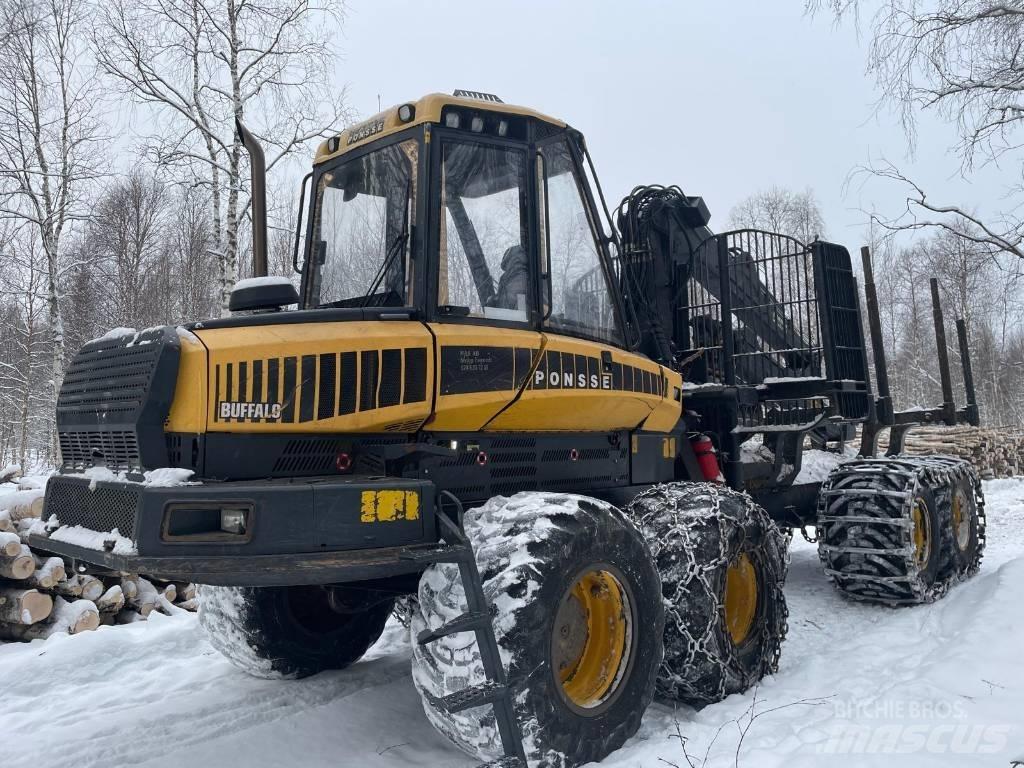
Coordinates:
<point>721,98</point>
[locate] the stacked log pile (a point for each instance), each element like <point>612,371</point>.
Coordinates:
<point>994,451</point>
<point>40,595</point>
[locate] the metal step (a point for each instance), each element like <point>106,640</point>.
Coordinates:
<point>505,762</point>
<point>474,696</point>
<point>439,554</point>
<point>467,622</point>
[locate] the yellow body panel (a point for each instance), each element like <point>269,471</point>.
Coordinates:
<point>428,110</point>
<point>372,376</point>
<point>571,390</point>
<point>480,371</point>
<point>379,376</point>
<point>669,410</point>
<point>188,410</point>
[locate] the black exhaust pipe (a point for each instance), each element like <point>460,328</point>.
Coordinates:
<point>258,165</point>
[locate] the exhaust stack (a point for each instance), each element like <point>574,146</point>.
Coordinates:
<point>258,164</point>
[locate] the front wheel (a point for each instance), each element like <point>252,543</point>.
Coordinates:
<point>578,622</point>
<point>290,631</point>
<point>723,564</point>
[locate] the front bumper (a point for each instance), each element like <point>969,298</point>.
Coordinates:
<point>299,531</point>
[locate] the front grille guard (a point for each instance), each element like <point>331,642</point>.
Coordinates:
<point>105,508</point>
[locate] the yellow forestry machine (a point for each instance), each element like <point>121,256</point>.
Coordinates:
<point>571,434</point>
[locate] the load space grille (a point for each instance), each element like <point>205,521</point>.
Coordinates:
<point>787,321</point>
<point>103,509</point>
<point>766,326</point>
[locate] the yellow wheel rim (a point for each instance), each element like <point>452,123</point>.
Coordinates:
<point>961,521</point>
<point>593,632</point>
<point>922,532</point>
<point>740,599</point>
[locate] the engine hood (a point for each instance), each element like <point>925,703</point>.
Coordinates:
<point>348,376</point>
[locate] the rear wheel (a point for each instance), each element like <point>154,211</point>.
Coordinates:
<point>723,565</point>
<point>900,530</point>
<point>291,631</point>
<point>967,519</point>
<point>578,622</point>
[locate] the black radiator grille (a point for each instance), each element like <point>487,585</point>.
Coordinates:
<point>117,449</point>
<point>114,399</point>
<point>102,509</point>
<point>110,380</point>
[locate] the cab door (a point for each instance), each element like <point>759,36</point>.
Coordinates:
<point>584,380</point>
<point>485,326</point>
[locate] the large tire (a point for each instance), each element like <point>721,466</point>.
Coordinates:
<point>886,527</point>
<point>723,564</point>
<point>531,549</point>
<point>291,632</point>
<point>967,519</point>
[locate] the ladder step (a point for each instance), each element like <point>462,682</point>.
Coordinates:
<point>467,698</point>
<point>505,762</point>
<point>439,554</point>
<point>467,622</point>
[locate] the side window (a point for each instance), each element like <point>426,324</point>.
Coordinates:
<point>581,301</point>
<point>365,213</point>
<point>484,267</point>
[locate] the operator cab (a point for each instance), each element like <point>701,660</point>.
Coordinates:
<point>461,209</point>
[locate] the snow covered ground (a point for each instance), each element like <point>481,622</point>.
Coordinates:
<point>941,685</point>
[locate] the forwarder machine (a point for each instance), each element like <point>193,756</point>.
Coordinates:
<point>622,402</point>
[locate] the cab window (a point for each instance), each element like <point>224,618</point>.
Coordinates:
<point>365,213</point>
<point>484,264</point>
<point>580,301</point>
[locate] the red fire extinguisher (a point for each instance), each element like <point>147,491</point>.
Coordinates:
<point>707,458</point>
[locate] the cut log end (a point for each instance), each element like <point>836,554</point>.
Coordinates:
<point>24,606</point>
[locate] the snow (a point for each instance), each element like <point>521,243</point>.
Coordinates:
<point>815,465</point>
<point>165,477</point>
<point>116,333</point>
<point>168,477</point>
<point>261,282</point>
<point>931,686</point>
<point>99,540</point>
<point>120,333</point>
<point>790,379</point>
<point>187,336</point>
<point>689,386</point>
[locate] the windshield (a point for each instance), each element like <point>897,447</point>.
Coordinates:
<point>365,212</point>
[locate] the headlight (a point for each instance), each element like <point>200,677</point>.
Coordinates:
<point>233,520</point>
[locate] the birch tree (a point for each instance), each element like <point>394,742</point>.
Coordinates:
<point>780,210</point>
<point>49,137</point>
<point>201,64</point>
<point>963,62</point>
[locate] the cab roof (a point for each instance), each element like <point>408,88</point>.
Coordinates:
<point>426,110</point>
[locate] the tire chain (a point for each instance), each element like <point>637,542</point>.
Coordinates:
<point>693,507</point>
<point>938,473</point>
